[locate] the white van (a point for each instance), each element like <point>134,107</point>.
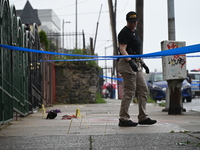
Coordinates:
<point>195,85</point>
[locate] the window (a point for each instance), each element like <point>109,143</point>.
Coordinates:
<point>158,77</point>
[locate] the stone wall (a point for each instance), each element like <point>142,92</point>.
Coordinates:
<point>77,83</point>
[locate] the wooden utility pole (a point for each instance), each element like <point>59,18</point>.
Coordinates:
<point>83,40</point>
<point>113,28</point>
<point>140,10</point>
<point>76,26</point>
<point>97,28</point>
<point>171,20</point>
<point>176,84</point>
<point>91,46</point>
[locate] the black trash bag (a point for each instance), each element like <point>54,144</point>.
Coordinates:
<point>52,114</point>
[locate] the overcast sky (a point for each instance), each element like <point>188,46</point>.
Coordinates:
<point>187,22</point>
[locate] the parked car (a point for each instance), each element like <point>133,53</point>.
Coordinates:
<point>157,87</point>
<point>195,85</point>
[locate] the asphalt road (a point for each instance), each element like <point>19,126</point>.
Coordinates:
<point>192,106</point>
<point>189,106</point>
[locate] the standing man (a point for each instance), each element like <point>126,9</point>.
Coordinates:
<point>189,78</point>
<point>131,71</point>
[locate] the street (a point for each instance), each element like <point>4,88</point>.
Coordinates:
<point>192,106</point>
<point>189,106</point>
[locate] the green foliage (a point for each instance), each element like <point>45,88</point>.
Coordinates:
<point>47,44</point>
<point>52,47</point>
<point>78,51</point>
<point>80,63</point>
<point>99,99</point>
<point>172,131</point>
<point>44,39</point>
<point>151,100</point>
<point>162,104</point>
<point>197,145</point>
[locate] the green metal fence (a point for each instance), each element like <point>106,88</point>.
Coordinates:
<point>6,66</point>
<point>20,72</point>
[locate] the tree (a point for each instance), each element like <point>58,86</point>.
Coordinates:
<point>52,46</point>
<point>44,40</point>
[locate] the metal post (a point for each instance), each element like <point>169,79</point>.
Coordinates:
<point>83,40</point>
<point>64,32</point>
<point>106,61</point>
<point>106,65</point>
<point>63,35</point>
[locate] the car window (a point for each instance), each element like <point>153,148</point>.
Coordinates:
<point>147,77</point>
<point>195,76</point>
<point>151,77</point>
<point>158,77</point>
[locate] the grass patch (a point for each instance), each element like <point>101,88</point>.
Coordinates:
<point>99,99</point>
<point>197,145</point>
<point>172,131</point>
<point>151,100</point>
<point>162,104</point>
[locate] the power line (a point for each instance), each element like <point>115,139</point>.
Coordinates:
<point>45,16</point>
<point>17,1</point>
<point>71,5</point>
<point>87,13</point>
<point>124,6</point>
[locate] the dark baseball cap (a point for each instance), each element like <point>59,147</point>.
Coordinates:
<point>131,16</point>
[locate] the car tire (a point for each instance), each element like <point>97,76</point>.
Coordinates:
<point>183,100</point>
<point>189,99</point>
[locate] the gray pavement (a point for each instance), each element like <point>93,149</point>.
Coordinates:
<point>97,129</point>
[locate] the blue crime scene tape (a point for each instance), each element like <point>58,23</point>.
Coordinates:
<point>43,52</point>
<point>119,79</point>
<point>104,59</point>
<point>176,51</point>
<point>78,60</point>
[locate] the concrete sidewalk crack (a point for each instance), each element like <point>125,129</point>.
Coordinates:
<point>192,134</point>
<point>90,142</point>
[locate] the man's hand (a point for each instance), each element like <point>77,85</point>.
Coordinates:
<point>133,66</point>
<point>146,68</point>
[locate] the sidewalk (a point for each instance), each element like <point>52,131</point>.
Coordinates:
<point>98,129</point>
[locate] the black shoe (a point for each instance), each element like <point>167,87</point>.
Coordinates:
<point>127,123</point>
<point>148,121</point>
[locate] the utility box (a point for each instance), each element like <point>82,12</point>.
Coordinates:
<point>174,67</point>
<point>174,72</point>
